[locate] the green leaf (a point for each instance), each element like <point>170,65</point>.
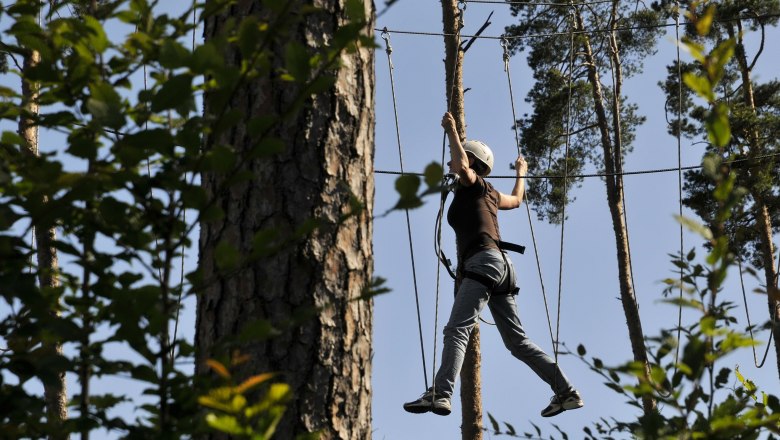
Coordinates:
<point>407,186</point>
<point>707,325</point>
<point>206,57</point>
<point>267,147</point>
<point>719,57</point>
<point>174,93</point>
<point>194,197</point>
<point>700,85</point>
<point>220,158</point>
<point>12,138</point>
<point>297,61</point>
<point>248,36</point>
<point>510,430</point>
<point>704,23</point>
<point>695,226</point>
<point>258,330</point>
<point>494,423</point>
<point>226,256</point>
<point>98,40</point>
<point>105,105</point>
<point>173,54</point>
<point>356,12</point>
<point>718,127</point>
<point>225,423</point>
<point>433,174</point>
<point>258,125</point>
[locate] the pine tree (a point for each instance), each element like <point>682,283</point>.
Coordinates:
<point>582,62</point>
<point>754,120</point>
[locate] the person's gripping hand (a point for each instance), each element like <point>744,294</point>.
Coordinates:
<point>448,123</point>
<point>521,166</point>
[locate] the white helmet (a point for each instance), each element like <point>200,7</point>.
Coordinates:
<point>482,153</point>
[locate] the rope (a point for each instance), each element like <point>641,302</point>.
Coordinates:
<point>557,34</point>
<point>679,180</point>
<point>624,173</point>
<point>565,179</point>
<point>460,25</point>
<point>750,325</point>
<point>183,213</point>
<point>390,67</point>
<point>505,47</point>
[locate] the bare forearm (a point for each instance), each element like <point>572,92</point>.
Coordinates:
<point>519,189</point>
<point>515,199</point>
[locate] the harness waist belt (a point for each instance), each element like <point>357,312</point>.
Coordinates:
<point>504,245</point>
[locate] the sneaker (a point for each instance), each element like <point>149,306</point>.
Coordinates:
<point>427,402</point>
<point>562,402</point>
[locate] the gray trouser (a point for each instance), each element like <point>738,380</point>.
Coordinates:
<point>469,302</point>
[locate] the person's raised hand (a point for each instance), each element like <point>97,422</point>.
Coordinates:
<point>448,122</point>
<point>521,166</point>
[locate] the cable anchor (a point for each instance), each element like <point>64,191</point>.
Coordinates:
<point>388,48</point>
<point>505,47</point>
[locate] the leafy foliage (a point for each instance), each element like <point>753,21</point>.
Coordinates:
<point>563,90</point>
<point>117,190</point>
<point>230,410</point>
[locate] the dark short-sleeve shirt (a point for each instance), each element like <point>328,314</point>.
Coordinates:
<point>473,215</point>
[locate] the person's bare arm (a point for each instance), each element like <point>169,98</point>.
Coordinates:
<point>514,200</point>
<point>459,161</point>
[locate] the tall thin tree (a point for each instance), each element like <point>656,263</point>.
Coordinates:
<point>55,387</point>
<point>470,374</point>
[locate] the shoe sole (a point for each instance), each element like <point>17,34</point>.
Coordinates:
<point>441,411</point>
<point>417,409</point>
<point>566,407</point>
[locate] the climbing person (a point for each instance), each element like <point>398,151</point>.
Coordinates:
<point>487,277</point>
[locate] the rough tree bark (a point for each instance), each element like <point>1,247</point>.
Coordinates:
<point>470,376</point>
<point>328,158</point>
<point>760,208</point>
<point>55,394</point>
<point>612,163</point>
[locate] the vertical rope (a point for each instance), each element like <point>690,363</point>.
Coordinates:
<point>183,213</point>
<point>505,47</point>
<point>565,182</point>
<point>390,68</point>
<point>679,178</point>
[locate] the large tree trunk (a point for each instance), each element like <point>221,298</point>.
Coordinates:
<point>612,160</point>
<point>760,209</point>
<point>328,158</point>
<point>470,373</point>
<point>55,395</point>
